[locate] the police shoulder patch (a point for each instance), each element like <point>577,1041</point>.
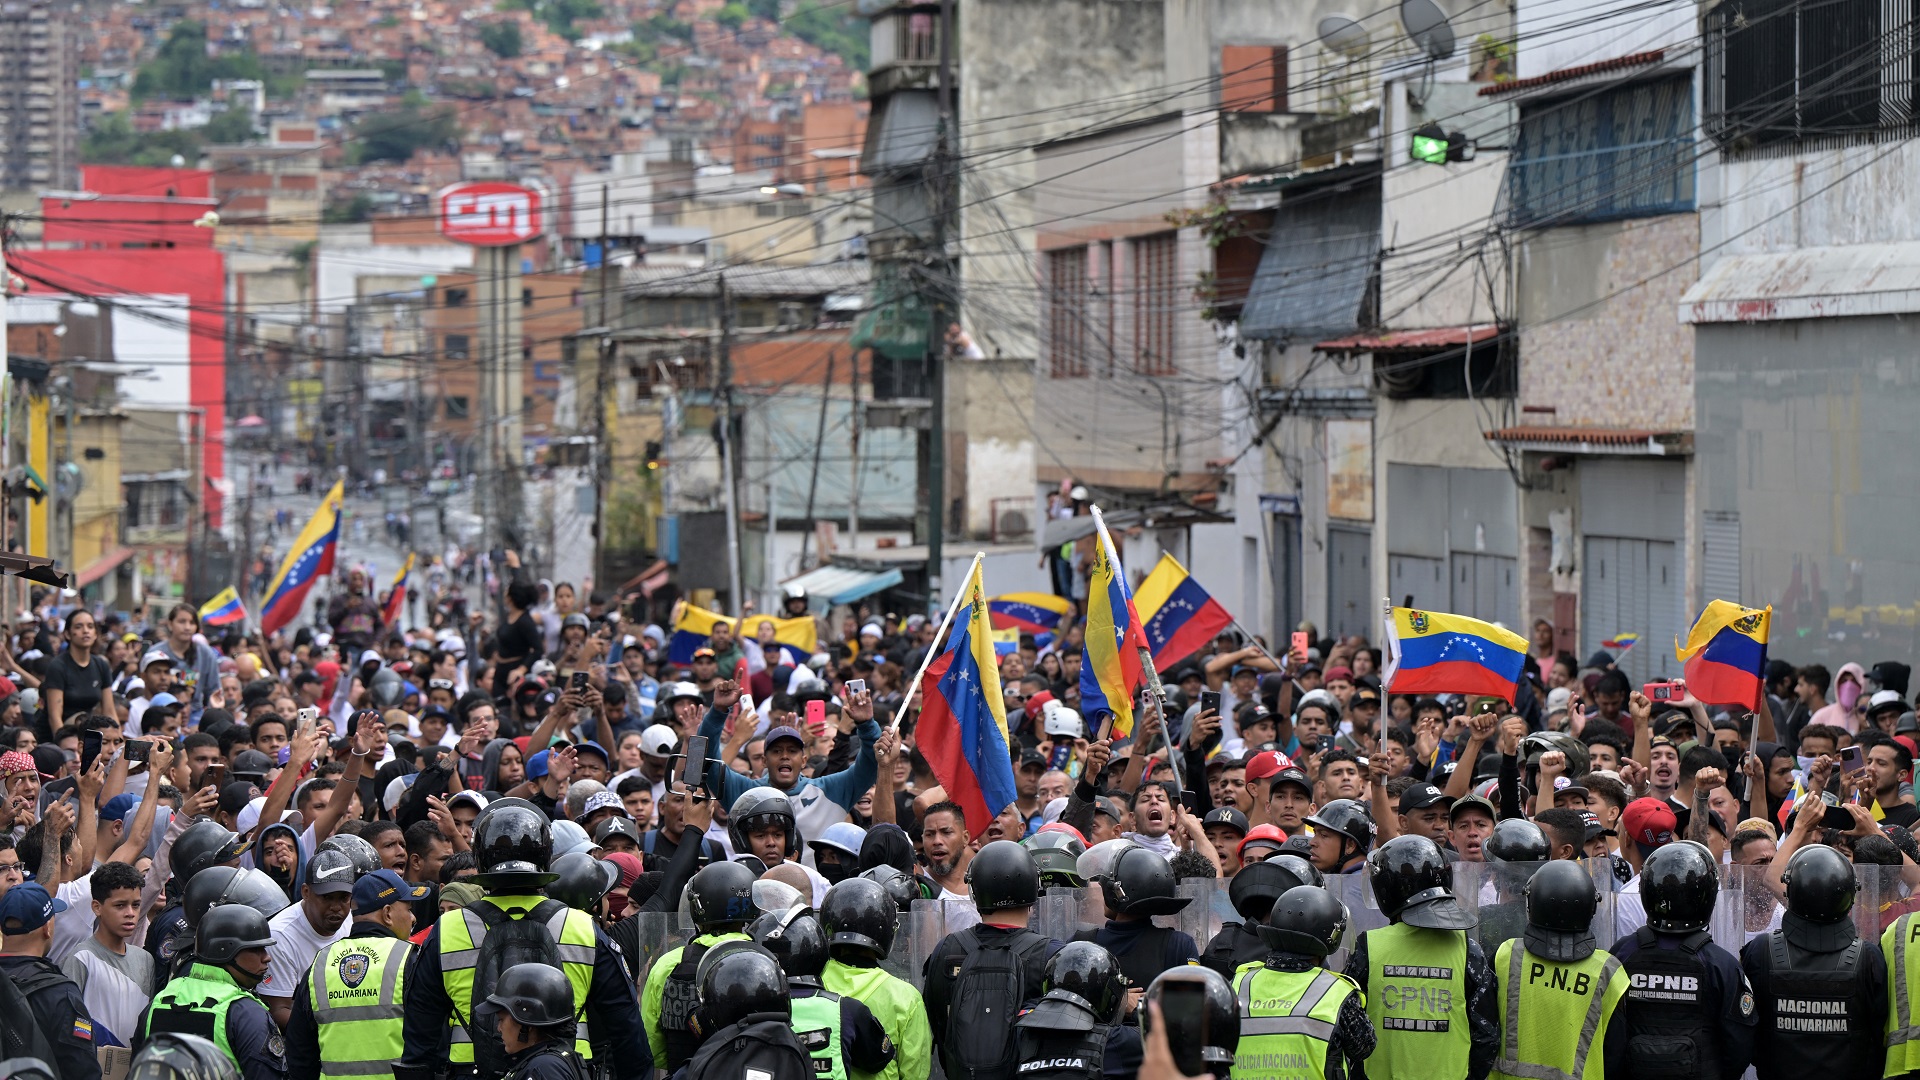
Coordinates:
<point>277,1045</point>
<point>1746,1003</point>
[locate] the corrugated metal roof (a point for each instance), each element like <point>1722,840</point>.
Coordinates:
<point>1579,71</point>
<point>819,279</point>
<point>1576,438</point>
<point>1314,274</point>
<point>1808,283</point>
<point>844,584</point>
<point>1411,339</point>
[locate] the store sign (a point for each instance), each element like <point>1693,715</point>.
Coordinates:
<point>489,213</point>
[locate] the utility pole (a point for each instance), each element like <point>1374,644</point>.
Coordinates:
<point>853,483</point>
<point>727,479</point>
<point>940,177</point>
<point>813,482</point>
<point>601,452</point>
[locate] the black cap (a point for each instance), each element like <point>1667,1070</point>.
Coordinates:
<point>236,795</point>
<point>1292,775</point>
<point>1421,796</point>
<point>251,763</point>
<point>1228,816</point>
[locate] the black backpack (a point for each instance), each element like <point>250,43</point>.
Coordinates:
<point>988,989</point>
<point>530,939</point>
<point>761,1046</point>
<point>22,1037</point>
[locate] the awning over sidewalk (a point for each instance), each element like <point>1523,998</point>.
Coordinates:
<point>844,584</point>
<point>101,567</point>
<point>1808,283</point>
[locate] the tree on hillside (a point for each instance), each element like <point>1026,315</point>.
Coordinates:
<point>232,125</point>
<point>502,39</point>
<point>394,136</point>
<point>182,68</point>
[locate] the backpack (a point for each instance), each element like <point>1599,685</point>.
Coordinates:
<point>760,1047</point>
<point>509,942</point>
<point>23,1040</point>
<point>989,987</point>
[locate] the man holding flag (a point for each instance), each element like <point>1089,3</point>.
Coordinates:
<point>309,559</point>
<point>963,721</point>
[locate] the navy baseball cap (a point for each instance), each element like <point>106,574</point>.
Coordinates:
<point>785,732</point>
<point>380,888</point>
<point>27,908</point>
<point>118,808</point>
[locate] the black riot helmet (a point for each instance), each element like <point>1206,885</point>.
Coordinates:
<point>227,931</point>
<point>1002,876</point>
<point>231,885</point>
<point>512,845</point>
<point>1301,868</point>
<point>1307,921</point>
<point>860,919</point>
<point>1254,889</point>
<point>899,884</point>
<point>1086,975</point>
<point>204,844</point>
<point>1820,885</point>
<point>1198,1041</point>
<point>795,938</point>
<point>761,806</point>
<point>1348,818</point>
<point>537,995</point>
<point>1414,885</point>
<point>1561,900</point>
<point>365,859</point>
<point>1517,840</point>
<point>720,897</point>
<point>172,1056</point>
<point>1056,854</point>
<point>1679,884</point>
<point>1142,882</point>
<point>740,983</point>
<point>582,881</point>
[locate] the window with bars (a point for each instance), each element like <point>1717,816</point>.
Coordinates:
<point>1783,71</point>
<point>1156,300</point>
<point>1619,153</point>
<point>1067,295</point>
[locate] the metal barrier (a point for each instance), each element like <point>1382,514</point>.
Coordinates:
<point>1495,892</point>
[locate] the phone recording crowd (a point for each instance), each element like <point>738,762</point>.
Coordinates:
<point>559,842</point>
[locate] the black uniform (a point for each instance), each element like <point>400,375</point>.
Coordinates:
<point>164,936</point>
<point>1061,1041</point>
<point>1689,1012</point>
<point>60,1013</point>
<point>1143,949</point>
<point>551,1060</point>
<point>1820,1000</point>
<point>1234,945</point>
<point>1029,951</point>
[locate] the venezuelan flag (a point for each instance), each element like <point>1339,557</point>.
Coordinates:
<point>795,640</point>
<point>1180,616</point>
<point>397,596</point>
<point>224,608</point>
<point>963,719</point>
<point>1620,643</point>
<point>1437,653</point>
<point>1725,657</point>
<point>1031,612</point>
<point>308,560</point>
<point>692,626</point>
<point>1110,669</point>
<point>1005,642</point>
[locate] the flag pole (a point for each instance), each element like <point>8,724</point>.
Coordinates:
<point>1153,688</point>
<point>1390,638</point>
<point>945,621</point>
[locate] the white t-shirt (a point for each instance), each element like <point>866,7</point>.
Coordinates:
<point>295,944</point>
<point>74,925</point>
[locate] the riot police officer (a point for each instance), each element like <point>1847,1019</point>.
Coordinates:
<point>1343,832</point>
<point>1557,992</point>
<point>838,1033</point>
<point>200,846</point>
<point>1139,885</point>
<point>999,953</point>
<point>1297,1019</point>
<point>168,1056</point>
<point>1074,1032</point>
<point>744,1005</point>
<point>1427,984</point>
<point>512,844</point>
<point>860,920</point>
<point>214,998</point>
<point>720,899</point>
<point>1820,994</point>
<point>1513,852</point>
<point>1252,892</point>
<point>1208,1035</point>
<point>1689,1011</point>
<point>537,1026</point>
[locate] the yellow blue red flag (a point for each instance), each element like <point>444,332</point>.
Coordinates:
<point>963,718</point>
<point>692,626</point>
<point>308,560</point>
<point>1725,657</point>
<point>224,608</point>
<point>1180,616</point>
<point>1110,669</point>
<point>397,596</point>
<point>1432,652</point>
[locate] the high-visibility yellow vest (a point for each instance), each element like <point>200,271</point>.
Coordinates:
<point>196,1004</point>
<point>461,934</point>
<point>1898,945</point>
<point>357,988</point>
<point>1417,999</point>
<point>1287,1021</point>
<point>1553,1015</point>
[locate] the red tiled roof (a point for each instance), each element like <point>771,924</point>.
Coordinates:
<point>1412,339</point>
<point>1598,436</point>
<point>1580,71</point>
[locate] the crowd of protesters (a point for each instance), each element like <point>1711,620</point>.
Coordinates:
<point>312,856</point>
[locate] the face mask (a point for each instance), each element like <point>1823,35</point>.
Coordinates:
<point>1849,695</point>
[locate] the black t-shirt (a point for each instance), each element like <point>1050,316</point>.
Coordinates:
<point>82,687</point>
<point>1902,814</point>
<point>518,643</point>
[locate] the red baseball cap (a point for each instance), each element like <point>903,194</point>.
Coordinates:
<point>1649,821</point>
<point>1267,763</point>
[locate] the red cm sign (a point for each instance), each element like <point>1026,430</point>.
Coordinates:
<point>488,213</point>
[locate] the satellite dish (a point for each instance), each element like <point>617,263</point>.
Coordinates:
<point>1341,34</point>
<point>1427,25</point>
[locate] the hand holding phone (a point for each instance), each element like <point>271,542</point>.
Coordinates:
<point>693,768</point>
<point>856,686</point>
<point>577,682</point>
<point>817,718</point>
